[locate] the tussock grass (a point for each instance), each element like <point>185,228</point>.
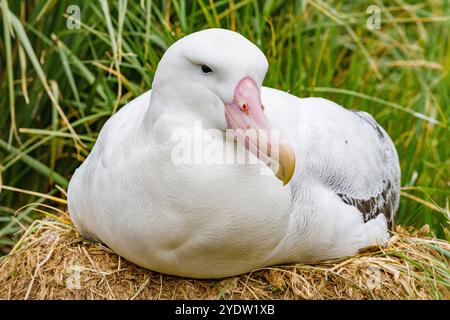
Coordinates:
<point>46,261</point>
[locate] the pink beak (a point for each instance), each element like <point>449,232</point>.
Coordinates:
<point>245,116</point>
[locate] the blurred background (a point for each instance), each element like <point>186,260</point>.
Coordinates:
<point>67,66</point>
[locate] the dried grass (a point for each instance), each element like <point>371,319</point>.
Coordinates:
<point>51,261</point>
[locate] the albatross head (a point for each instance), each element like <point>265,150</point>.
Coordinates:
<point>216,74</point>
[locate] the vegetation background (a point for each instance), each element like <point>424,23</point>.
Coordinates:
<point>58,85</point>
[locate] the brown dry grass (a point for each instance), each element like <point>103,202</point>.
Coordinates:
<point>47,259</point>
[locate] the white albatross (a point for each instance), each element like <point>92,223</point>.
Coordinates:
<point>339,171</point>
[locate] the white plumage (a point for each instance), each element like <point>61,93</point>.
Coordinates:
<point>217,220</point>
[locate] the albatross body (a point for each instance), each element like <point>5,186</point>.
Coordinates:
<point>331,189</point>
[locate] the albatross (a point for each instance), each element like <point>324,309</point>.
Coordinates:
<point>317,181</point>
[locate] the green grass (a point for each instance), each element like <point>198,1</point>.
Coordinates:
<point>58,86</point>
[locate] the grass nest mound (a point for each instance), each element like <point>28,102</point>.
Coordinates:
<point>52,261</point>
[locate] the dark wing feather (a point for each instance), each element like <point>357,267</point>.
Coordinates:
<point>382,203</point>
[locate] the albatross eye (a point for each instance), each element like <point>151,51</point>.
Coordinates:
<point>205,68</point>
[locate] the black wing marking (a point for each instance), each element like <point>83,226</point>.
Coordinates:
<point>383,203</point>
<point>371,121</point>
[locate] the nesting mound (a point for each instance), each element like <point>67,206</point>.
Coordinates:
<point>51,261</point>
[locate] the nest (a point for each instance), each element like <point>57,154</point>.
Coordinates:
<point>52,261</point>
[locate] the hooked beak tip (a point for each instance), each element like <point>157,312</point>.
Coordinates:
<point>286,163</point>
